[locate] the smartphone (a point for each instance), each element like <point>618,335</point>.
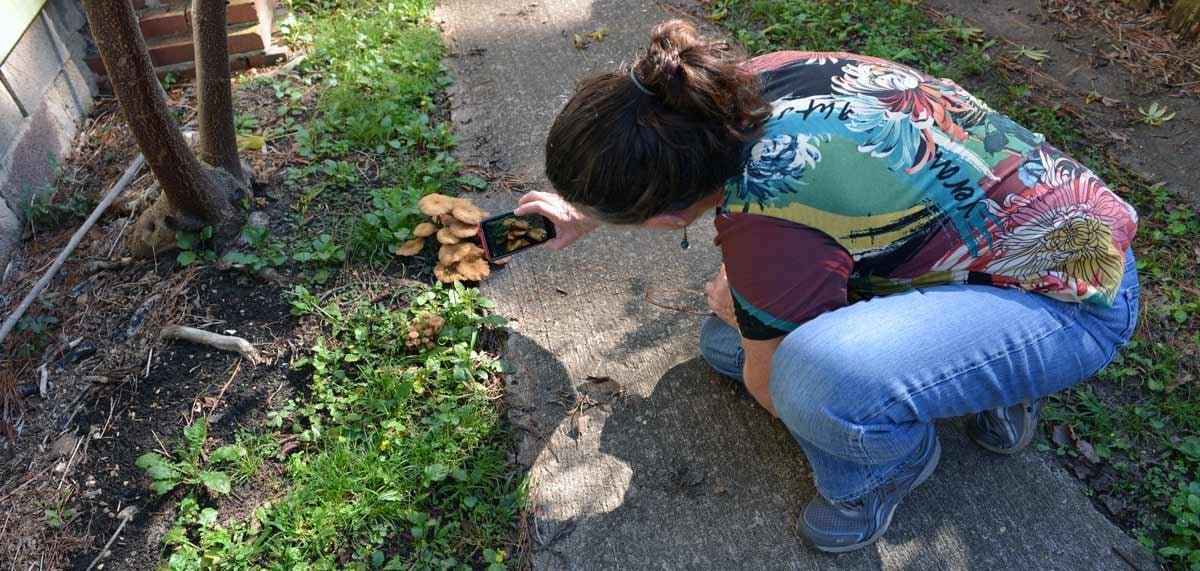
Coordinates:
<point>505,234</point>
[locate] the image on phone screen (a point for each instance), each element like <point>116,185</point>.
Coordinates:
<point>506,234</point>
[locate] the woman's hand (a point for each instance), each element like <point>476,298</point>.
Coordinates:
<point>569,224</point>
<point>719,299</point>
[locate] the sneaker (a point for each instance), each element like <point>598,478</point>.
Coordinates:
<point>1006,430</point>
<point>838,527</point>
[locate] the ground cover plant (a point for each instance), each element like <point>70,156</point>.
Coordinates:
<point>1133,433</point>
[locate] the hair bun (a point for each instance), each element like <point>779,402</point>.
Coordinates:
<point>694,74</point>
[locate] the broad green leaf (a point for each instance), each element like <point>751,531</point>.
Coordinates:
<point>436,472</point>
<point>186,258</point>
<point>161,487</point>
<point>227,453</point>
<point>208,516</point>
<point>216,481</point>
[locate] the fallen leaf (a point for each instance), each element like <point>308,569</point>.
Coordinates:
<point>1114,505</point>
<point>1088,451</point>
<point>1062,435</point>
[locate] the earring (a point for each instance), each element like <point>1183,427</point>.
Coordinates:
<point>684,244</point>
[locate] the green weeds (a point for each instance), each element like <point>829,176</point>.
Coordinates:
<point>403,458</point>
<point>1140,415</point>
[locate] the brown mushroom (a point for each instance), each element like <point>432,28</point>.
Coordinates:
<point>474,269</point>
<point>453,253</point>
<point>445,236</point>
<point>411,247</point>
<point>538,234</point>
<point>446,275</point>
<point>425,230</point>
<point>461,230</point>
<point>435,204</point>
<point>466,212</point>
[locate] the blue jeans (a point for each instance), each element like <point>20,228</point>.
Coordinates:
<point>858,386</point>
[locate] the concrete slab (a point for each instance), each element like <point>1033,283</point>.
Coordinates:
<point>667,465</point>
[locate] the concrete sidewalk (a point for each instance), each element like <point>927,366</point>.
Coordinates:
<point>667,465</point>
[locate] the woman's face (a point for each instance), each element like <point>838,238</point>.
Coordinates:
<point>682,218</point>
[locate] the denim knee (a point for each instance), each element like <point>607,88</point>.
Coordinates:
<point>819,389</point>
<point>721,346</point>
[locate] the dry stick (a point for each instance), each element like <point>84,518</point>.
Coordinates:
<point>124,515</point>
<point>75,239</point>
<point>215,340</point>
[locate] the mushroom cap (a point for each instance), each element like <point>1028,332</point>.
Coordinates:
<point>435,204</point>
<point>537,233</point>
<point>474,269</point>
<point>445,236</point>
<point>411,247</point>
<point>517,223</point>
<point>444,274</point>
<point>501,261</point>
<point>517,232</point>
<point>425,229</point>
<point>462,230</point>
<point>466,212</point>
<point>453,253</point>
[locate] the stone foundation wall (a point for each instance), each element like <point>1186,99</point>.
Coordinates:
<point>46,88</point>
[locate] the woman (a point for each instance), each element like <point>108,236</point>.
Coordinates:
<point>893,250</point>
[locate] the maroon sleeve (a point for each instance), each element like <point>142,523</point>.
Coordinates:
<point>781,273</point>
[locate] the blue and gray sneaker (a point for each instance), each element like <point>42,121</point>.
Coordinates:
<point>838,527</point>
<point>1005,430</point>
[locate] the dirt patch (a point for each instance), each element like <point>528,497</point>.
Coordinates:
<point>114,390</point>
<point>1082,60</point>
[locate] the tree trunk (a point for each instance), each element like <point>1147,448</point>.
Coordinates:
<point>214,96</point>
<point>194,195</point>
<point>1184,18</point>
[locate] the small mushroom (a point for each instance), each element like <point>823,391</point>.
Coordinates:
<point>445,236</point>
<point>446,275</point>
<point>474,269</point>
<point>453,253</point>
<point>411,247</point>
<point>461,230</point>
<point>467,213</point>
<point>538,234</point>
<point>425,230</point>
<point>435,204</point>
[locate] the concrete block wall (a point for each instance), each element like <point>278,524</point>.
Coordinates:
<point>46,88</point>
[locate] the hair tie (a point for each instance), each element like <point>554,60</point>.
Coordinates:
<point>637,83</point>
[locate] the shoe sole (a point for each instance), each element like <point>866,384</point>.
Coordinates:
<point>1031,422</point>
<point>926,472</point>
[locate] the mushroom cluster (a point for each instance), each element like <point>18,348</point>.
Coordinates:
<point>518,234</point>
<point>423,331</point>
<point>453,223</point>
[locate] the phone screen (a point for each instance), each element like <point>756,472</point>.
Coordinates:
<point>506,234</point>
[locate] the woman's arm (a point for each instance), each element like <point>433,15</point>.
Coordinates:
<point>756,372</point>
<point>569,224</point>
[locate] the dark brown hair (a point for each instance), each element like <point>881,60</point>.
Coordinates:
<point>624,155</point>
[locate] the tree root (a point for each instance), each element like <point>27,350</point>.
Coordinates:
<point>214,340</point>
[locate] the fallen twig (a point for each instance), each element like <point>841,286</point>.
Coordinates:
<point>76,238</point>
<point>124,515</point>
<point>215,340</point>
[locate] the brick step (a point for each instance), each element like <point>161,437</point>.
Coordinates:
<point>185,71</point>
<point>174,49</point>
<point>171,20</point>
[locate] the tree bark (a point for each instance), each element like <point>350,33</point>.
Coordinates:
<point>194,195</point>
<point>214,96</point>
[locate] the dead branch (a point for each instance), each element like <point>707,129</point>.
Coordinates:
<point>124,515</point>
<point>11,322</point>
<point>214,340</point>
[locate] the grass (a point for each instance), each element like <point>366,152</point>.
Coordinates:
<point>1141,415</point>
<point>397,456</point>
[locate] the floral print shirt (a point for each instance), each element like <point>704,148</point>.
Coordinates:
<point>872,178</point>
